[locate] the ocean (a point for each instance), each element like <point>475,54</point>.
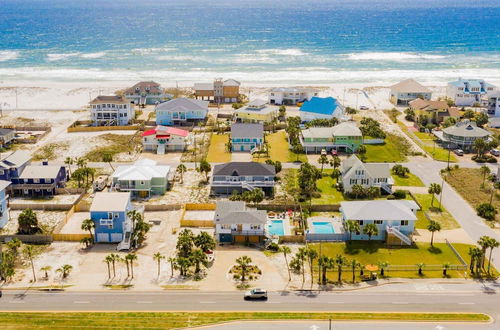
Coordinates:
<point>258,42</point>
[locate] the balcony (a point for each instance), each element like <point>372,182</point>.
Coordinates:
<point>34,186</point>
<point>243,183</point>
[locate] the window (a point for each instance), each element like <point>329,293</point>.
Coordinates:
<point>106,223</point>
<point>378,222</point>
<point>142,182</point>
<point>36,180</point>
<point>352,181</point>
<point>364,181</point>
<point>225,226</point>
<point>255,227</point>
<point>404,222</point>
<point>2,172</point>
<point>361,222</point>
<point>116,215</point>
<point>110,215</point>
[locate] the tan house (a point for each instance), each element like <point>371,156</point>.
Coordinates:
<point>220,91</point>
<point>437,110</point>
<point>408,90</point>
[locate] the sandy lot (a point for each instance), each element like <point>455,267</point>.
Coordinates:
<point>48,220</point>
<point>199,215</point>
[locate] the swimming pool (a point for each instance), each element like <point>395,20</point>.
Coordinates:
<point>275,227</point>
<point>323,228</point>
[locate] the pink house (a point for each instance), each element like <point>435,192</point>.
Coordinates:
<point>165,138</point>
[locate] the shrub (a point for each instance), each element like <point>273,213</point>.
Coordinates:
<point>399,194</point>
<point>487,211</point>
<point>390,197</point>
<point>273,247</point>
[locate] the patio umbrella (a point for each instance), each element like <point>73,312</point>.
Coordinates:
<point>371,268</point>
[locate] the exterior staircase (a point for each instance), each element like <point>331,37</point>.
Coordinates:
<point>402,237</point>
<point>161,149</point>
<point>386,188</point>
<point>245,185</point>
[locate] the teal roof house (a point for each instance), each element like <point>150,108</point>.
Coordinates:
<point>321,108</point>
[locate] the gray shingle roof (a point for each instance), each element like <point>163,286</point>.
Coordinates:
<point>40,172</point>
<point>379,210</point>
<point>229,212</point>
<point>242,131</point>
<point>15,159</point>
<point>183,104</point>
<point>409,86</point>
<point>114,99</point>
<point>5,131</point>
<point>466,128</point>
<point>143,87</point>
<point>244,168</point>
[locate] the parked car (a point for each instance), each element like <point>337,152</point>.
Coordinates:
<point>334,152</point>
<point>256,294</point>
<point>495,152</point>
<point>0,294</point>
<point>323,152</point>
<point>458,152</point>
<point>363,107</point>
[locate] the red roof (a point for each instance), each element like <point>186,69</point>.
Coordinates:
<point>150,132</point>
<point>166,132</point>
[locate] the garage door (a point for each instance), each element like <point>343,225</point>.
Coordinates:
<point>240,239</point>
<point>103,238</point>
<point>225,238</point>
<point>254,239</point>
<point>116,237</point>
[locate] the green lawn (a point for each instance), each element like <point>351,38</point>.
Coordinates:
<point>443,217</point>
<point>374,252</point>
<point>217,152</point>
<point>391,151</point>
<point>280,150</point>
<point>411,180</point>
<point>326,186</point>
<point>176,320</point>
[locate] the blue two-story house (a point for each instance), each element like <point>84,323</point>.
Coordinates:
<point>40,180</point>
<point>13,164</point>
<point>246,137</point>
<point>242,176</point>
<point>395,219</point>
<point>181,110</point>
<point>4,208</point>
<point>109,214</point>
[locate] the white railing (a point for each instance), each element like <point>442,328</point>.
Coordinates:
<point>395,231</point>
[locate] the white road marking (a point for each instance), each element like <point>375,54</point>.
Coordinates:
<point>273,302</point>
<point>336,302</point>
<point>16,302</point>
<point>81,302</point>
<point>466,303</point>
<point>144,302</point>
<point>207,302</point>
<point>400,303</point>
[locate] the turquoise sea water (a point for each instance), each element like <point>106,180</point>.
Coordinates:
<point>253,41</point>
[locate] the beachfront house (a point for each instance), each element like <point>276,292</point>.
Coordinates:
<point>7,136</point>
<point>4,205</point>
<point>109,212</point>
<point>181,111</point>
<point>395,219</point>
<point>218,91</point>
<point>242,176</point>
<point>146,93</point>
<point>165,138</point>
<point>494,103</point>
<point>235,223</point>
<point>143,178</point>
<point>11,165</point>
<point>256,111</point>
<point>355,172</point>
<point>408,90</point>
<point>344,137</point>
<point>111,111</point>
<point>462,135</point>
<point>437,111</point>
<point>291,95</point>
<point>321,108</point>
<point>469,92</point>
<point>40,180</point>
<point>246,137</point>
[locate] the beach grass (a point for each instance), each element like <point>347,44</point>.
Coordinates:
<point>217,151</point>
<point>115,144</point>
<point>410,180</point>
<point>176,320</point>
<point>48,151</point>
<point>441,215</point>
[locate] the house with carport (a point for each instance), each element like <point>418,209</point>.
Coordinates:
<point>181,111</point>
<point>257,111</point>
<point>142,179</point>
<point>165,138</point>
<point>346,137</point>
<point>408,90</point>
<point>235,223</point>
<point>246,137</point>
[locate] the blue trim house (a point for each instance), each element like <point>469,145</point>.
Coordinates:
<point>246,137</point>
<point>181,110</point>
<point>4,209</point>
<point>109,214</point>
<point>321,108</point>
<point>40,180</point>
<point>395,219</point>
<point>12,165</point>
<point>467,92</point>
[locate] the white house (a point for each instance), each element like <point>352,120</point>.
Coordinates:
<point>111,111</point>
<point>291,95</point>
<point>354,171</point>
<point>494,103</point>
<point>164,138</point>
<point>235,223</point>
<point>467,92</point>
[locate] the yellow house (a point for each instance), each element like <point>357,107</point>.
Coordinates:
<point>256,111</point>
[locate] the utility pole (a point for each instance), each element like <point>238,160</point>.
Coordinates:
<point>16,97</point>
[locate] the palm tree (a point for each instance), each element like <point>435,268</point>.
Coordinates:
<point>354,264</point>
<point>323,159</point>
<point>420,267</point>
<point>78,176</point>
<point>114,259</point>
<point>46,270</point>
<point>352,227</point>
<point>286,250</point>
<point>125,261</point>
<point>335,174</point>
<point>340,261</point>
<point>493,243</point>
<point>69,161</point>
<point>183,264</point>
<point>158,257</point>
<point>88,225</point>
<point>244,263</point>
<point>485,170</point>
<point>28,253</point>
<point>312,254</point>
<point>131,257</point>
<point>301,255</point>
<point>135,216</point>
<point>335,162</point>
<point>325,263</point>
<point>87,241</point>
<point>434,188</point>
<point>198,258</point>
<point>433,226</point>
<point>446,266</point>
<point>383,265</point>
<point>370,229</point>
<point>81,162</point>
<point>484,243</point>
<point>108,158</point>
<point>171,260</point>
<point>64,270</point>
<point>108,260</point>
<point>181,169</point>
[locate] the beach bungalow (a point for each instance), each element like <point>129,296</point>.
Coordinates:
<point>180,111</point>
<point>7,135</point>
<point>321,108</point>
<point>395,219</point>
<point>344,137</point>
<point>494,103</point>
<point>164,138</point>
<point>242,176</point>
<point>112,223</point>
<point>146,93</point>
<point>235,223</point>
<point>469,92</point>
<point>355,172</point>
<point>219,91</point>
<point>111,111</point>
<point>11,165</point>
<point>462,135</point>
<point>256,111</point>
<point>246,137</point>
<point>143,179</point>
<point>291,95</point>
<point>4,205</point>
<point>40,180</point>
<point>437,111</point>
<point>408,90</point>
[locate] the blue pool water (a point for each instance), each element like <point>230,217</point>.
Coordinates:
<point>275,227</point>
<point>323,228</point>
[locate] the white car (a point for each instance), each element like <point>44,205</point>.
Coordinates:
<point>363,107</point>
<point>495,152</point>
<point>458,152</point>
<point>256,294</point>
